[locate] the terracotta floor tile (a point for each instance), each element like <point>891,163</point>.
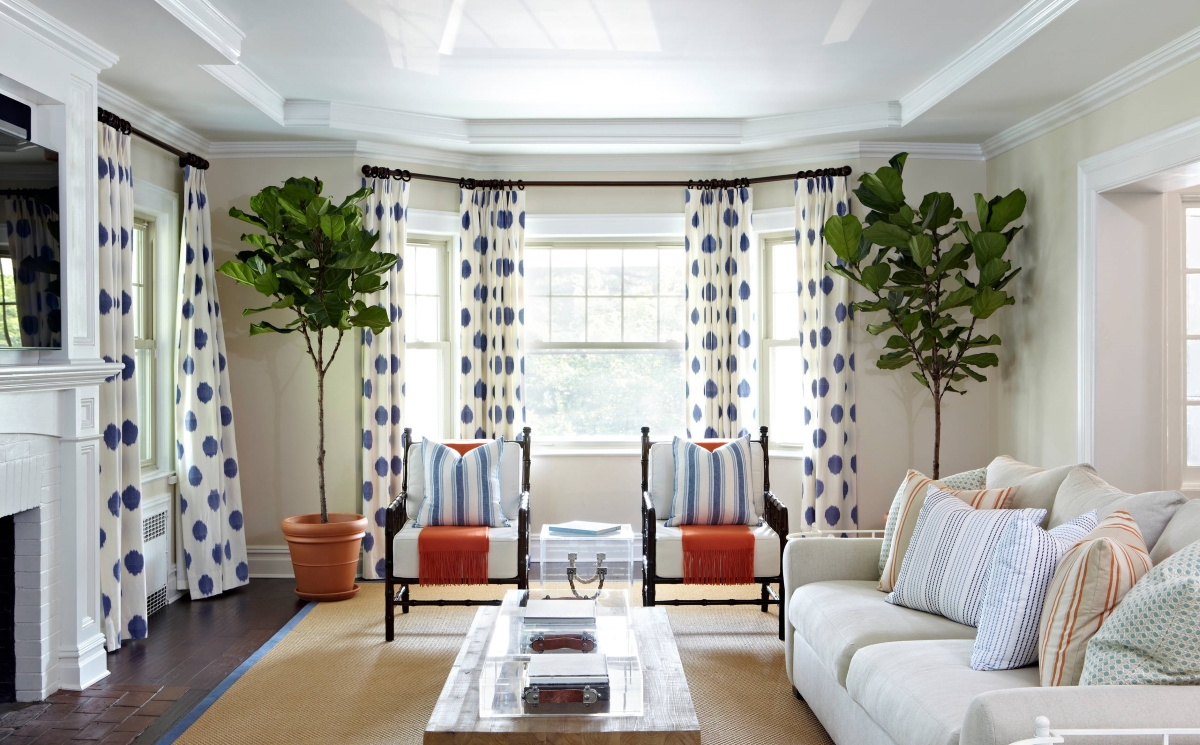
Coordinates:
<point>33,729</point>
<point>134,724</point>
<point>94,731</point>
<point>56,711</point>
<point>63,697</point>
<point>102,692</point>
<point>154,708</point>
<point>73,721</point>
<point>54,737</point>
<point>22,716</point>
<point>119,738</point>
<point>94,705</point>
<point>116,714</point>
<point>171,693</point>
<point>135,698</point>
<point>18,740</point>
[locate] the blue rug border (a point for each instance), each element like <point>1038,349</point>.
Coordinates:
<point>198,710</point>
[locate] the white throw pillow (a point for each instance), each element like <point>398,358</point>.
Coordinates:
<point>1083,490</point>
<point>965,481</point>
<point>944,567</point>
<point>1036,487</point>
<point>712,488</point>
<point>1015,589</point>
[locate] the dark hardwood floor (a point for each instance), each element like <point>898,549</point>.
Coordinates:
<point>155,682</point>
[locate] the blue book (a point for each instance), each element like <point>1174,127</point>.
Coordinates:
<point>584,528</point>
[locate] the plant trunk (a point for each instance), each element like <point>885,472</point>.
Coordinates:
<point>937,440</point>
<point>321,426</point>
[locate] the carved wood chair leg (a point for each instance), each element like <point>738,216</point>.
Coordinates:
<point>765,598</point>
<point>389,613</point>
<point>796,693</point>
<point>781,634</point>
<point>404,598</point>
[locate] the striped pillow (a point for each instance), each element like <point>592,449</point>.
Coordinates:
<point>910,499</point>
<point>1090,580</point>
<point>1015,590</point>
<point>712,488</point>
<point>947,560</point>
<point>965,481</point>
<point>461,490</point>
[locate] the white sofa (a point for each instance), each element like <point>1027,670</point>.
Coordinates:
<point>879,674</point>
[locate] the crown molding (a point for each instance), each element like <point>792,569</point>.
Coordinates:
<point>209,24</point>
<point>249,86</point>
<point>1026,22</point>
<point>50,30</point>
<point>879,115</point>
<point>1153,66</point>
<point>150,121</point>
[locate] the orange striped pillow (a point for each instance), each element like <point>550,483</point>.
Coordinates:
<point>1090,580</point>
<point>912,495</point>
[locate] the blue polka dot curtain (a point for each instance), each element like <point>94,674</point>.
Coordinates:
<point>722,334</point>
<point>828,485</point>
<point>32,242</point>
<point>383,363</point>
<point>122,579</point>
<point>491,249</point>
<point>214,540</point>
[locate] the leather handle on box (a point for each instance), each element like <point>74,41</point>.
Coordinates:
<point>578,642</point>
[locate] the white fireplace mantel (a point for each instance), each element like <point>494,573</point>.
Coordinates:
<point>30,378</point>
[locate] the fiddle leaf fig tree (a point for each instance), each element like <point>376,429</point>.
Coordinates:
<point>923,283</point>
<point>315,259</point>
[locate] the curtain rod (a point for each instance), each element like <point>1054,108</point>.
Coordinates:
<point>124,127</point>
<point>400,174</point>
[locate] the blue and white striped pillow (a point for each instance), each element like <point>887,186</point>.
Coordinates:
<point>461,490</point>
<point>1014,591</point>
<point>948,556</point>
<point>712,488</point>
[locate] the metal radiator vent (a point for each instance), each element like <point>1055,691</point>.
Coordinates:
<point>154,526</point>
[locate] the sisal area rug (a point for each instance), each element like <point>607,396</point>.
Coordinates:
<point>332,679</point>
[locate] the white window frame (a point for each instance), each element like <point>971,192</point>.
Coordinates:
<point>161,206</point>
<point>611,444</point>
<point>448,344</point>
<point>767,340</point>
<point>148,321</point>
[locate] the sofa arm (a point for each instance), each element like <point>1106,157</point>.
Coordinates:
<point>1007,716</point>
<point>807,560</point>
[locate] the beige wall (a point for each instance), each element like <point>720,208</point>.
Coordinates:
<point>1036,398</point>
<point>273,381</point>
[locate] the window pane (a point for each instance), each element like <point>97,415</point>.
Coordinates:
<point>10,330</point>
<point>144,375</point>
<point>671,271</point>
<point>641,319</point>
<point>1193,435</point>
<point>1193,303</point>
<point>1193,369</point>
<point>567,319</point>
<point>537,271</point>
<point>610,393</point>
<point>787,400</point>
<point>672,319</point>
<point>641,272</point>
<point>427,326</point>
<point>785,315</point>
<point>423,384</point>
<point>568,271</point>
<point>1192,231</point>
<point>604,271</point>
<point>783,268</point>
<point>604,317</point>
<point>537,318</point>
<point>427,269</point>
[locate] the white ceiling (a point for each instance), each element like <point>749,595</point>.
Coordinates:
<point>615,75</point>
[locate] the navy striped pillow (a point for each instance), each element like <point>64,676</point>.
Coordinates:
<point>712,488</point>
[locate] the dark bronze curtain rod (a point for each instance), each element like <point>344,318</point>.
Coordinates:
<point>401,174</point>
<point>124,127</point>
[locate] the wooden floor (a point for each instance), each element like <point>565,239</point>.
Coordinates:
<point>155,682</point>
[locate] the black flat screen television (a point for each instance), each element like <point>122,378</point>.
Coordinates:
<point>30,287</point>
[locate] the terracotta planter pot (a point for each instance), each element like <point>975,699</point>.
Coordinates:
<point>325,556</point>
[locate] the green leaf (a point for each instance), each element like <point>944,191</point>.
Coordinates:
<point>909,277</point>
<point>988,246</point>
<point>263,327</point>
<point>327,310</point>
<point>897,162</point>
<point>373,317</point>
<point>888,362</point>
<point>1000,285</point>
<point>333,226</point>
<point>891,180</point>
<point>920,378</point>
<point>974,375</point>
<point>368,283</point>
<point>237,271</point>
<point>921,246</point>
<point>955,258</point>
<point>982,211</point>
<point>267,283</point>
<point>875,276</point>
<point>870,306</point>
<point>355,198</point>
<point>886,234</point>
<point>992,271</point>
<point>896,342</point>
<point>985,341</point>
<point>957,299</point>
<point>909,322</point>
<point>842,234</point>
<point>258,221</point>
<point>875,329</point>
<point>904,218</point>
<point>292,276</point>
<point>842,272</point>
<point>984,359</point>
<point>987,301</point>
<point>1004,210</point>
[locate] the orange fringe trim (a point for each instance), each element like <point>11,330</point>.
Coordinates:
<point>453,555</point>
<point>718,555</point>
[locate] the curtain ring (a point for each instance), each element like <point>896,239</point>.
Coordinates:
<point>520,185</point>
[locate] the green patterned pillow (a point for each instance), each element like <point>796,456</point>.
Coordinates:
<point>1153,636</point>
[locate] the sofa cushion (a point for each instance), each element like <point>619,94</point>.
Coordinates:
<point>668,559</point>
<point>1036,487</point>
<point>918,691</point>
<point>1083,490</point>
<point>1183,530</point>
<point>502,553</point>
<point>839,618</point>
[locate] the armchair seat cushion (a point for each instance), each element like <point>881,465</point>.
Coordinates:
<point>668,544</point>
<point>840,618</point>
<point>502,553</point>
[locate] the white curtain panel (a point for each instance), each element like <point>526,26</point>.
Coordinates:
<point>491,250</point>
<point>122,562</point>
<point>721,344</point>
<point>383,367</point>
<point>210,493</point>
<point>33,243</point>
<point>826,318</point>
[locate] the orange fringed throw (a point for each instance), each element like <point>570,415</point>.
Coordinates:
<point>718,554</point>
<point>453,555</point>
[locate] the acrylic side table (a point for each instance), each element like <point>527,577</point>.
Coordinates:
<point>618,550</point>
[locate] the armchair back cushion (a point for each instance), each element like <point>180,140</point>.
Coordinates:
<point>466,487</point>
<point>661,478</point>
<point>510,477</point>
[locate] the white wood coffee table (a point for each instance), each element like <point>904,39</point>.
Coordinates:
<point>668,717</point>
